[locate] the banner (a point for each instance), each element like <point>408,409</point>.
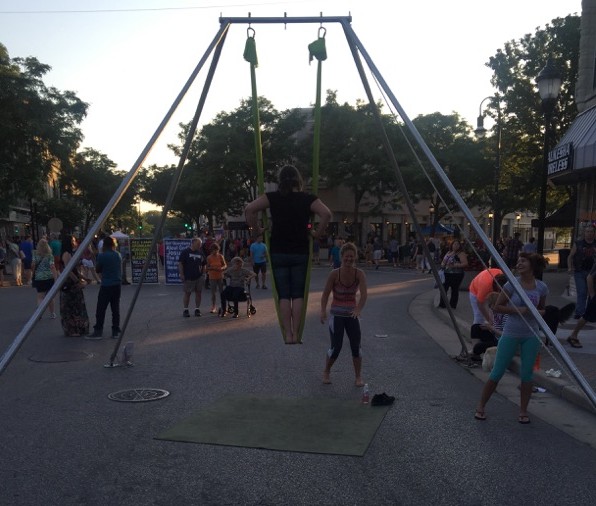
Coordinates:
<point>172,250</point>
<point>139,249</point>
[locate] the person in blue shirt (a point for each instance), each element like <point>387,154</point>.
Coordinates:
<point>258,255</point>
<point>109,267</point>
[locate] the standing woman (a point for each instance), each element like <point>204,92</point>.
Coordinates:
<point>216,265</point>
<point>44,272</point>
<point>454,263</point>
<point>290,209</point>
<point>579,263</point>
<point>520,331</point>
<point>344,283</point>
<point>73,310</point>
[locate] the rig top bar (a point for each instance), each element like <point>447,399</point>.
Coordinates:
<point>285,19</point>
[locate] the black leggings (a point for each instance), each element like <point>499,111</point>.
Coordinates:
<point>453,280</point>
<point>337,325</point>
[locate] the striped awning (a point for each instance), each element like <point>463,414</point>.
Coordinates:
<point>577,149</point>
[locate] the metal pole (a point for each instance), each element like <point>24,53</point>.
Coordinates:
<point>285,20</point>
<point>172,190</point>
<point>404,189</point>
<point>544,178</point>
<point>126,182</point>
<point>584,385</point>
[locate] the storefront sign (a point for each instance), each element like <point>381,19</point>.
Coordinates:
<point>560,159</point>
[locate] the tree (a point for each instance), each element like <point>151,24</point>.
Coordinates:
<point>353,155</point>
<point>39,128</point>
<point>91,181</point>
<point>515,68</point>
<point>220,175</point>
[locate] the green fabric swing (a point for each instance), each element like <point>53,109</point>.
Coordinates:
<point>317,50</point>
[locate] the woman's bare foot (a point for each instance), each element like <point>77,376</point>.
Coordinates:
<point>359,382</point>
<point>326,378</point>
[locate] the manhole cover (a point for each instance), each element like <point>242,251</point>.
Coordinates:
<point>139,395</point>
<point>65,356</point>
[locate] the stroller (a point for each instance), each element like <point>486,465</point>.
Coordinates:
<point>233,296</point>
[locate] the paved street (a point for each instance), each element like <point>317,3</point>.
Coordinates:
<point>63,442</point>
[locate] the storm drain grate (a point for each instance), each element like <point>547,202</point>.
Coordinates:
<point>139,395</point>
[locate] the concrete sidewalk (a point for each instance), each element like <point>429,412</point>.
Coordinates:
<point>565,386</point>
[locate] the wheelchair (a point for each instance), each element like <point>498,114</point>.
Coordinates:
<point>233,297</point>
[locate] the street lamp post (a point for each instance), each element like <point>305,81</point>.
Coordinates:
<point>549,84</point>
<point>481,132</point>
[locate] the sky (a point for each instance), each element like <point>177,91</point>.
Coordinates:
<point>129,59</point>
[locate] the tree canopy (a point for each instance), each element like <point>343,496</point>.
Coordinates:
<point>39,128</point>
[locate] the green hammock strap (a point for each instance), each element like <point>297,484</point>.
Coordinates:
<point>250,55</point>
<point>317,50</point>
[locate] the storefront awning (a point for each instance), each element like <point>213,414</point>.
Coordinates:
<point>576,150</point>
<point>561,218</point>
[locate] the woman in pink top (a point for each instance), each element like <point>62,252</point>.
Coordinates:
<point>344,283</point>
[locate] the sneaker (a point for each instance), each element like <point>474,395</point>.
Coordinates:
<point>197,312</point>
<point>97,334</point>
<point>213,310</point>
<point>115,334</point>
<point>264,287</point>
<point>186,314</point>
<point>221,313</point>
<point>236,315</point>
<point>258,286</point>
<point>52,316</point>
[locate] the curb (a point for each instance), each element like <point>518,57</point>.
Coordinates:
<point>560,387</point>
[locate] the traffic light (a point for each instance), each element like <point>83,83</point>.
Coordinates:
<point>140,225</point>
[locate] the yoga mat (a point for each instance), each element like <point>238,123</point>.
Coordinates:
<point>312,425</point>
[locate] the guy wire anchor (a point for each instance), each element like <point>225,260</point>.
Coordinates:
<point>126,357</point>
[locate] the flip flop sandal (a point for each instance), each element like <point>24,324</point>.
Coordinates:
<point>523,419</point>
<point>574,342</point>
<point>479,415</point>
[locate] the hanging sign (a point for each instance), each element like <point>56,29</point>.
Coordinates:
<point>560,159</point>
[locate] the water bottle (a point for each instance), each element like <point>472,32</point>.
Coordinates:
<point>127,353</point>
<point>365,394</point>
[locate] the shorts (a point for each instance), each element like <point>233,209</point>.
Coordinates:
<point>377,254</point>
<point>43,285</point>
<point>193,285</point>
<point>289,271</point>
<point>260,268</point>
<point>27,263</point>
<point>87,263</point>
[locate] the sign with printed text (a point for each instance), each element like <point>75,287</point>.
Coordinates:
<point>560,159</point>
<point>172,250</point>
<point>139,249</point>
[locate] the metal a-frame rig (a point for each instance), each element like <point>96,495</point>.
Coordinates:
<point>358,52</point>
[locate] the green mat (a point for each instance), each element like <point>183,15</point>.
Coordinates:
<point>298,425</point>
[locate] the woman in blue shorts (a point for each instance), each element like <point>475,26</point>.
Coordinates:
<point>290,209</point>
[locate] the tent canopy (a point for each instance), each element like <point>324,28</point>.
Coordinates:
<point>119,235</point>
<point>439,228</point>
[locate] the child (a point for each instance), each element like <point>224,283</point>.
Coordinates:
<point>216,264</point>
<point>237,276</point>
<point>345,310</point>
